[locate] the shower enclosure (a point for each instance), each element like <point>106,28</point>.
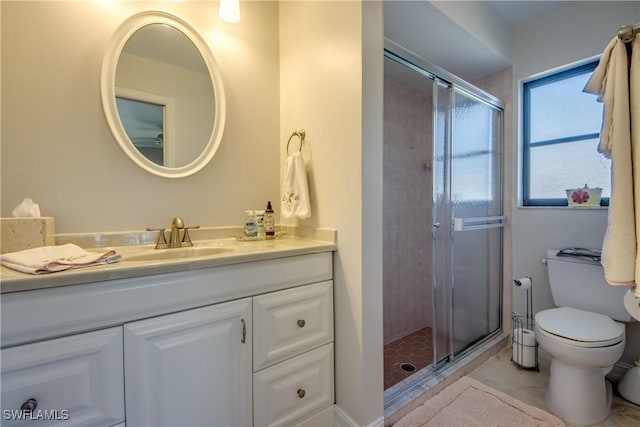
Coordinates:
<point>443,218</point>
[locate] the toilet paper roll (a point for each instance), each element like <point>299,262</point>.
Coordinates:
<point>524,347</point>
<point>524,356</point>
<point>524,283</point>
<point>524,336</point>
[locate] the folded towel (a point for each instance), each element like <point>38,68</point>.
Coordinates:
<point>50,259</point>
<point>295,198</point>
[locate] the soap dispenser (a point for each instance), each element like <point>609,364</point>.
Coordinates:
<point>250,227</point>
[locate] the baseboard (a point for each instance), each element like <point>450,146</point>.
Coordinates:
<point>326,417</point>
<point>344,420</point>
<point>377,423</point>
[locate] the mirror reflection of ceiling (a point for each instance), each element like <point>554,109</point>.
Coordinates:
<point>161,42</point>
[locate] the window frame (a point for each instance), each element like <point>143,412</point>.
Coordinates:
<point>527,200</point>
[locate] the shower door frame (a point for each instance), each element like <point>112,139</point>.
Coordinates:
<point>441,77</point>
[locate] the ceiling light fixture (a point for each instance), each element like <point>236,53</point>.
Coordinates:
<point>229,11</point>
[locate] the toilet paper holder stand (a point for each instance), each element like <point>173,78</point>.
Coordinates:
<point>523,340</point>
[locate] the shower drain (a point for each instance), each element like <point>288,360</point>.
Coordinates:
<point>407,367</point>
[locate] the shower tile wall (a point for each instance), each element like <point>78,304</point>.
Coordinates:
<point>407,209</point>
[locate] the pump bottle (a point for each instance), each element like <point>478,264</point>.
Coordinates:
<point>269,226</point>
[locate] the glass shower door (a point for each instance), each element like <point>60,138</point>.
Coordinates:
<point>467,220</point>
<point>476,208</point>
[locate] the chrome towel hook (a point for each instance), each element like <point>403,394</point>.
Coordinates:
<point>626,33</point>
<point>300,134</point>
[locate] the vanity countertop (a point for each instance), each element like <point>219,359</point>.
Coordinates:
<point>233,251</point>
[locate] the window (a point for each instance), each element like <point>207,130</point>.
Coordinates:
<point>561,126</point>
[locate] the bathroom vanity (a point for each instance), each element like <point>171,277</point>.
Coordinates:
<point>241,336</point>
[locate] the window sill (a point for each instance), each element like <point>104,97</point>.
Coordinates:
<point>571,208</point>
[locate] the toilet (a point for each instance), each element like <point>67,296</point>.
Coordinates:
<point>583,336</point>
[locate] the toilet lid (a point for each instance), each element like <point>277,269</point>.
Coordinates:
<point>580,325</point>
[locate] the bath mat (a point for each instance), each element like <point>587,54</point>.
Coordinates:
<point>469,403</point>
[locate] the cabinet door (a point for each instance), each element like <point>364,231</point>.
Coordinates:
<point>69,381</point>
<point>190,368</point>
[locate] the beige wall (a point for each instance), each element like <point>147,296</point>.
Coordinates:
<point>57,148</point>
<point>323,79</point>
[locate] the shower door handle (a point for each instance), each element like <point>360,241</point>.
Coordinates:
<point>478,223</point>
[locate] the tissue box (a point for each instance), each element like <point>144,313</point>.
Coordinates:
<point>26,233</point>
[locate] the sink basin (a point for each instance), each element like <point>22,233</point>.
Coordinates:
<point>176,253</point>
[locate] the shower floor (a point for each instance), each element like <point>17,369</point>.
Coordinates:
<point>414,349</point>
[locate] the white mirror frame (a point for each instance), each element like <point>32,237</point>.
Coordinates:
<point>108,93</point>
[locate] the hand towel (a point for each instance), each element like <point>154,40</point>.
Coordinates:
<point>611,81</point>
<point>295,198</point>
<point>50,259</point>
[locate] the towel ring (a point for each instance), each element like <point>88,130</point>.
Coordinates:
<point>300,134</point>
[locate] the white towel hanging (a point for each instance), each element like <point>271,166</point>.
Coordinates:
<point>295,197</point>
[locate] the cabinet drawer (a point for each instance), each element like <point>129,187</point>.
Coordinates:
<point>289,322</point>
<point>73,381</point>
<point>286,393</point>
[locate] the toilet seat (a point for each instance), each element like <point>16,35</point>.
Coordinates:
<point>579,328</point>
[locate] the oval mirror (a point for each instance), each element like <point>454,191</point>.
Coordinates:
<point>162,95</point>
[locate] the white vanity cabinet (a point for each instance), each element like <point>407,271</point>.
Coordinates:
<point>235,345</point>
<point>70,381</point>
<point>190,368</point>
<point>195,367</point>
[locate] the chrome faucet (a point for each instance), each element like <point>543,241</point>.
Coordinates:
<point>174,236</point>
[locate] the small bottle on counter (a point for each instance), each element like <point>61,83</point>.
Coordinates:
<point>269,226</point>
<point>260,225</point>
<point>250,226</point>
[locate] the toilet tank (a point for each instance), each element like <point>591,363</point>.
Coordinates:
<point>579,283</point>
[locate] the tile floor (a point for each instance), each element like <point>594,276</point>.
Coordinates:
<point>414,349</point>
<point>530,387</point>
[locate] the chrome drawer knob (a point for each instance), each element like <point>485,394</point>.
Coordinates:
<point>301,393</point>
<point>301,323</point>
